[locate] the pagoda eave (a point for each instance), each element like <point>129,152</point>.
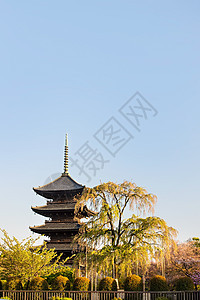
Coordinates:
<point>47,210</point>
<point>52,230</point>
<point>58,194</point>
<point>62,186</point>
<point>56,227</point>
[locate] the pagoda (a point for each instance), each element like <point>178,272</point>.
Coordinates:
<point>62,225</point>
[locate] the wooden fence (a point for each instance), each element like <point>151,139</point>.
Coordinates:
<point>75,295</point>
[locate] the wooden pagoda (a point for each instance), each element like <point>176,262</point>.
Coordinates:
<point>62,225</point>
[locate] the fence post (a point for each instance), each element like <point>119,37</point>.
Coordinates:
<point>175,297</point>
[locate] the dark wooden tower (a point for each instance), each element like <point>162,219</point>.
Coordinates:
<point>62,225</point>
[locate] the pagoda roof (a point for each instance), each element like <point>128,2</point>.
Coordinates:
<point>56,227</point>
<point>68,206</point>
<point>47,210</point>
<point>63,184</point>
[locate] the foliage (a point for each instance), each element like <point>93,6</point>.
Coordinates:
<point>133,283</point>
<point>196,242</point>
<point>19,285</point>
<point>184,284</point>
<point>81,284</point>
<point>23,261</point>
<point>12,284</point>
<point>184,261</point>
<point>38,283</point>
<point>4,283</point>
<point>61,283</point>
<point>196,278</point>
<point>113,241</point>
<point>162,298</point>
<point>108,284</point>
<point>114,285</point>
<point>65,271</point>
<point>158,283</point>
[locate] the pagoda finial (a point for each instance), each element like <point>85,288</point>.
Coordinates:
<point>66,156</point>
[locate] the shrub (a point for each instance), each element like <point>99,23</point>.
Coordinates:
<point>133,283</point>
<point>108,284</point>
<point>4,282</point>
<point>67,272</point>
<point>81,284</point>
<point>18,285</point>
<point>158,283</point>
<point>114,286</point>
<point>184,284</point>
<point>61,283</point>
<point>162,298</point>
<point>38,283</point>
<point>12,284</point>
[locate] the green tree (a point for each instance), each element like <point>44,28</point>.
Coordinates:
<point>112,240</point>
<point>22,261</point>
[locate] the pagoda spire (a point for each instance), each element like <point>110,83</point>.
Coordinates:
<point>66,172</point>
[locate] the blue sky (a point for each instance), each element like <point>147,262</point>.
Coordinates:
<point>68,67</point>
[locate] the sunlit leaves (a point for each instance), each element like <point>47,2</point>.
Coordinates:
<point>24,261</point>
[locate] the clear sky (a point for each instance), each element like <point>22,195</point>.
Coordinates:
<point>71,66</point>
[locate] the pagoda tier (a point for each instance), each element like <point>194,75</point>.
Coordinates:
<point>62,188</point>
<point>50,227</point>
<point>67,208</point>
<point>64,224</point>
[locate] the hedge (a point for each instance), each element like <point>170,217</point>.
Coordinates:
<point>81,284</point>
<point>38,283</point>
<point>184,284</point>
<point>108,284</point>
<point>158,283</point>
<point>60,283</point>
<point>13,285</point>
<point>133,283</point>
